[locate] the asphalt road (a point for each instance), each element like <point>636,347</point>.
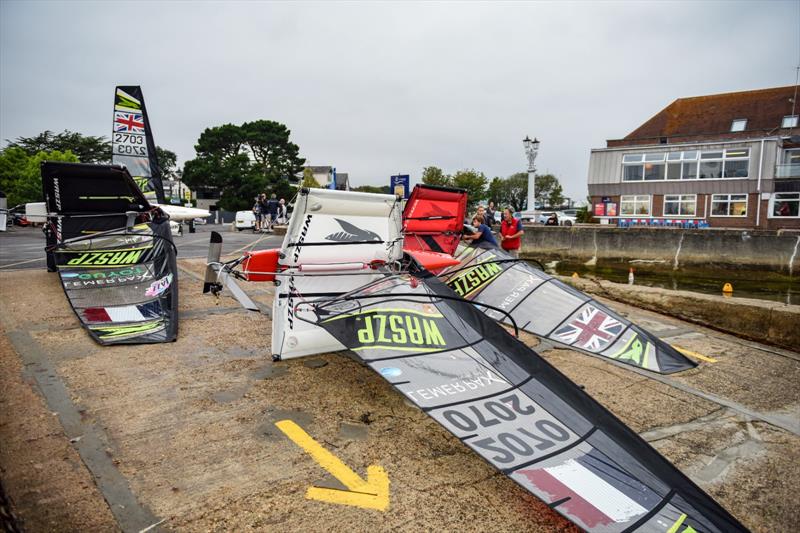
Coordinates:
<point>22,248</point>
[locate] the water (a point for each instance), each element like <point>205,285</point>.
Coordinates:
<point>746,283</point>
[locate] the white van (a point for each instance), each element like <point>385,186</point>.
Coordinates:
<point>244,220</point>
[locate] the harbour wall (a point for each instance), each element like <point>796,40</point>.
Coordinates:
<point>776,251</point>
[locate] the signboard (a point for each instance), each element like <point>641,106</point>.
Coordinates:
<point>599,210</point>
<point>611,209</point>
<point>187,194</point>
<point>606,199</point>
<point>399,185</point>
<point>332,184</point>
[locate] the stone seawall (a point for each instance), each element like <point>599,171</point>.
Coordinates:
<point>716,248</point>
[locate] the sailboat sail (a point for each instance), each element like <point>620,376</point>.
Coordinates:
<point>537,302</point>
<point>515,410</point>
<point>550,309</point>
<point>333,240</point>
<point>114,256</point>
<point>132,142</point>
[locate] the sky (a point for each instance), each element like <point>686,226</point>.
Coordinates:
<point>381,88</point>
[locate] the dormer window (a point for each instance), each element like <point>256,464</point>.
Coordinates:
<point>739,124</point>
<point>789,121</point>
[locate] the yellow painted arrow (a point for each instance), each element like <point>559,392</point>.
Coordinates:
<point>370,494</point>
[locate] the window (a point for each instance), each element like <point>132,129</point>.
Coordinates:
<point>785,204</point>
<point>673,171</point>
<point>653,171</point>
<point>789,121</point>
<point>635,205</point>
<point>739,124</point>
<point>729,205</point>
<point>682,205</point>
<point>710,169</point>
<point>633,173</point>
<point>714,164</point>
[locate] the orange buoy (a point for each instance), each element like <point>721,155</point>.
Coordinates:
<point>575,275</point>
<point>727,288</point>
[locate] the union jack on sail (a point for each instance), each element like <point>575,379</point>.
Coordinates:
<point>128,122</point>
<point>592,330</point>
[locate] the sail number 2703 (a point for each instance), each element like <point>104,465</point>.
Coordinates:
<point>130,144</point>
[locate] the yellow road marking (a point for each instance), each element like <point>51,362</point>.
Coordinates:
<point>370,494</point>
<point>695,354</point>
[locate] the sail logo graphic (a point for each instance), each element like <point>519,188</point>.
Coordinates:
<point>593,330</point>
<point>128,122</point>
<point>475,278</point>
<point>125,257</point>
<point>390,372</point>
<point>159,286</point>
<point>399,330</point>
<point>126,102</point>
<point>352,233</point>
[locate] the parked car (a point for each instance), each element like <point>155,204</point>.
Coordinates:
<point>16,216</point>
<point>564,218</point>
<point>244,220</point>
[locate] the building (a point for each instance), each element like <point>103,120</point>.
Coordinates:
<point>177,192</point>
<point>724,160</point>
<point>324,175</point>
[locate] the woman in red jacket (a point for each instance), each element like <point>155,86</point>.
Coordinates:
<point>510,233</point>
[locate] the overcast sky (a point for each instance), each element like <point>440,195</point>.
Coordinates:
<point>376,89</point>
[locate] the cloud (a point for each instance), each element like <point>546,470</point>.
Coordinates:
<point>380,88</point>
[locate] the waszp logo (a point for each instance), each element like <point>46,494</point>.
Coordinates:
<point>399,330</point>
<point>107,258</point>
<point>475,278</point>
<point>351,233</point>
<point>302,238</point>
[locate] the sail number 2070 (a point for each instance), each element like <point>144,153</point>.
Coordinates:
<point>508,429</point>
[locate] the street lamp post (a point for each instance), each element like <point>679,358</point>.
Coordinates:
<point>531,150</point>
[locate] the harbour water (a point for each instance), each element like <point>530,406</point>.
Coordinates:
<point>746,283</point>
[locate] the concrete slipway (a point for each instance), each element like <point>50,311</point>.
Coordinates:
<point>183,435</point>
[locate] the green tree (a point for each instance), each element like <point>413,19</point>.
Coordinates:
<point>21,175</point>
<point>473,182</point>
<point>167,162</point>
<point>509,192</point>
<point>374,189</point>
<point>435,176</point>
<point>87,148</point>
<point>275,156</point>
<point>243,161</point>
<point>548,190</point>
<point>309,181</point>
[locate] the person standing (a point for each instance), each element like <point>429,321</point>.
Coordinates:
<point>258,211</point>
<point>272,211</point>
<point>510,233</point>
<point>490,215</point>
<point>282,219</point>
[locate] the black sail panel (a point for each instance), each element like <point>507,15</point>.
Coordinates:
<point>515,410</point>
<point>551,309</point>
<point>115,258</point>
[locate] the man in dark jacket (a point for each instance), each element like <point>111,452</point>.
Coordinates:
<point>272,211</point>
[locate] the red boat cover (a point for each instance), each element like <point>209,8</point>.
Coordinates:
<point>433,219</point>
